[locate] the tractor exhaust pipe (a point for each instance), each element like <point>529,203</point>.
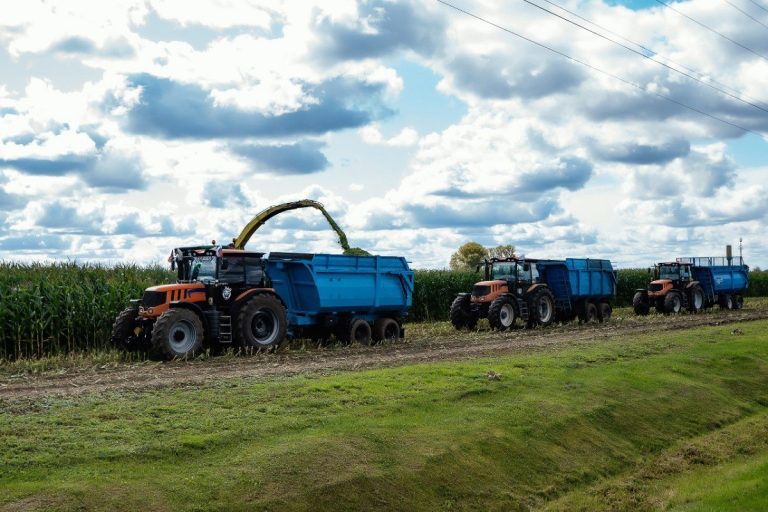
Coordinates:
<point>729,254</point>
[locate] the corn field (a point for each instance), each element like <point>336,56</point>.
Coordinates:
<point>64,307</point>
<point>48,309</point>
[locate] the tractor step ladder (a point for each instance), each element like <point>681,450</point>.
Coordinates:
<point>225,329</point>
<point>523,307</point>
<point>708,285</point>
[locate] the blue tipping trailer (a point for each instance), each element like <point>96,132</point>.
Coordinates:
<point>582,287</point>
<point>722,279</point>
<point>353,297</point>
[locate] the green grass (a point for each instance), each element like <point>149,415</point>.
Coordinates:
<point>421,437</point>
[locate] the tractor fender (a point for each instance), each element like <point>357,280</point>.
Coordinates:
<point>535,287</point>
<point>692,284</point>
<point>246,295</point>
<point>192,307</point>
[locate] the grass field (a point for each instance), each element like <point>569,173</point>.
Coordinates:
<point>670,421</point>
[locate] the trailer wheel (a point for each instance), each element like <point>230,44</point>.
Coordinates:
<point>178,334</point>
<point>461,313</point>
<point>738,302</point>
<point>640,304</point>
<point>360,331</point>
<point>696,299</point>
<point>591,313</point>
<point>673,303</point>
<point>543,307</point>
<point>126,331</point>
<point>604,311</point>
<point>261,322</point>
<point>726,301</point>
<point>386,329</point>
<point>502,314</point>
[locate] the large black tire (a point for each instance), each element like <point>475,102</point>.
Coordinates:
<point>124,335</point>
<point>726,301</point>
<point>177,334</point>
<point>660,305</point>
<point>673,303</point>
<point>591,314</point>
<point>261,322</point>
<point>640,304</point>
<point>604,311</point>
<point>502,313</point>
<point>738,302</point>
<point>695,299</point>
<point>542,307</point>
<point>386,329</point>
<point>360,331</point>
<point>461,313</point>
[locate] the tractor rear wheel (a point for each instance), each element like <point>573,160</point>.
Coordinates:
<point>604,311</point>
<point>461,313</point>
<point>673,303</point>
<point>386,329</point>
<point>126,331</point>
<point>502,314</point>
<point>696,299</point>
<point>261,322</point>
<point>542,310</point>
<point>177,334</point>
<point>640,304</point>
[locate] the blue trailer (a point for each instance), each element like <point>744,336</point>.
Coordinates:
<point>538,292</point>
<point>359,298</point>
<point>723,280</point>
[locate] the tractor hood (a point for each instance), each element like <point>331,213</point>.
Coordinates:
<point>486,291</point>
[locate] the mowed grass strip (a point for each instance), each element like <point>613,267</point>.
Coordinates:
<point>441,436</point>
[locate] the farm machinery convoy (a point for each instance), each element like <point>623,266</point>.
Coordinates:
<point>227,295</point>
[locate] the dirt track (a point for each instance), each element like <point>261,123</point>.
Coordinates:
<point>326,360</point>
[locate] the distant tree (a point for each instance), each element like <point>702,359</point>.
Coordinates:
<point>756,269</point>
<point>468,257</point>
<point>502,251</point>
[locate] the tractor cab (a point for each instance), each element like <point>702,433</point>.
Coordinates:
<point>669,275</point>
<point>508,275</point>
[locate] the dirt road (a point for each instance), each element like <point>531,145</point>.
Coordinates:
<point>415,349</point>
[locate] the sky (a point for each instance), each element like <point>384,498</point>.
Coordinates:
<point>131,127</point>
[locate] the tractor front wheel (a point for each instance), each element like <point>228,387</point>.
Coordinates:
<point>261,322</point>
<point>461,313</point>
<point>178,334</point>
<point>640,304</point>
<point>126,331</point>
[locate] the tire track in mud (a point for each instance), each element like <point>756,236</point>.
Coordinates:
<point>462,345</point>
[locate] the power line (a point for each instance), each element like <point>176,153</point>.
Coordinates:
<point>750,50</point>
<point>692,77</point>
<point>745,13</point>
<point>760,6</point>
<point>655,53</point>
<point>594,68</point>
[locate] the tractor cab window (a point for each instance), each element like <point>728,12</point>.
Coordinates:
<point>685,272</point>
<point>503,270</point>
<point>232,270</point>
<point>254,271</point>
<point>525,272</point>
<point>202,268</point>
<point>669,272</point>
